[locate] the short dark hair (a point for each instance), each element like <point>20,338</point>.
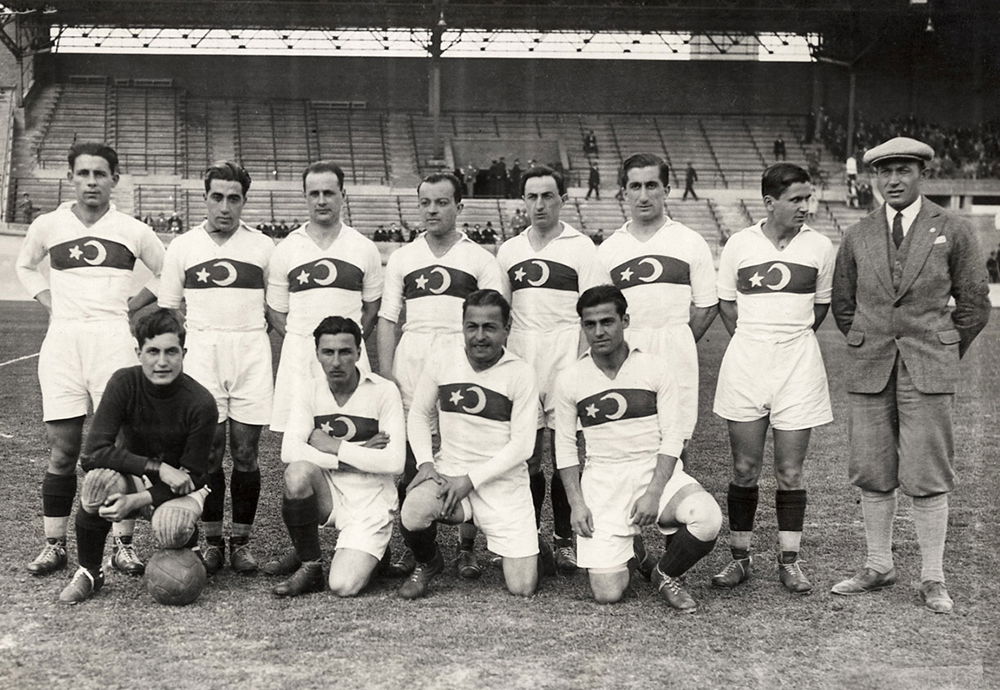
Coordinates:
<point>228,172</point>
<point>644,160</point>
<point>335,325</point>
<point>93,148</point>
<point>544,171</point>
<point>158,322</point>
<point>444,177</point>
<point>488,298</point>
<point>779,177</point>
<point>602,294</point>
<point>321,167</point>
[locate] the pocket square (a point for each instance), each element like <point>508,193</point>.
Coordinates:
<point>940,239</point>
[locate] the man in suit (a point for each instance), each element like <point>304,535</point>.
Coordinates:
<point>895,272</point>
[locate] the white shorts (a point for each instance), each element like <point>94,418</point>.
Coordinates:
<point>610,490</point>
<point>502,509</point>
<point>676,346</point>
<point>364,507</point>
<point>784,381</point>
<point>296,367</point>
<point>548,353</point>
<point>235,367</point>
<point>411,355</point>
<point>75,362</point>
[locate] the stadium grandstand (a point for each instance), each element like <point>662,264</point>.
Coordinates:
<point>275,85</point>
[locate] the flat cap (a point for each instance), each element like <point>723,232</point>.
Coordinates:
<point>899,147</point>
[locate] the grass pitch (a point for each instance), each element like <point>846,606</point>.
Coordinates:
<point>473,634</point>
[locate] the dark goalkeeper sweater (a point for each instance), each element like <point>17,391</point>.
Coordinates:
<point>172,424</point>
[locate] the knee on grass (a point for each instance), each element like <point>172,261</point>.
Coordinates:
<point>608,585</point>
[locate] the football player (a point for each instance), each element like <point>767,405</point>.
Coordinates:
<point>92,249</point>
<point>431,276</point>
<point>626,402</point>
<point>546,268</point>
<point>485,401</point>
<point>775,283</point>
<point>219,270</point>
<point>166,421</point>
<point>343,446</point>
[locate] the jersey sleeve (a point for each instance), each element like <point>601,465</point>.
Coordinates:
<point>703,285</point>
<point>668,412</point>
<point>374,280</point>
<point>726,282</point>
<point>101,449</point>
<point>422,414</point>
<point>392,290</point>
<point>151,254</point>
<point>171,292</point>
<point>824,280</point>
<point>565,419</point>
<point>388,460</point>
<point>523,420</point>
<point>277,281</point>
<point>295,444</point>
<point>32,252</point>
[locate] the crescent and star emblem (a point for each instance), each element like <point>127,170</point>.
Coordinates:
<point>101,255</point>
<point>352,430</point>
<point>620,402</point>
<point>331,272</point>
<point>230,274</point>
<point>786,276</point>
<point>656,266</point>
<point>445,280</point>
<point>480,400</point>
<point>544,277</point>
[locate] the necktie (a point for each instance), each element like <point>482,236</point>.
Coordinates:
<point>897,229</point>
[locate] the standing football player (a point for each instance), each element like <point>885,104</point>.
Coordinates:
<point>431,276</point>
<point>323,268</point>
<point>485,402</point>
<point>219,270</point>
<point>626,402</point>
<point>546,268</point>
<point>343,446</point>
<point>775,282</point>
<point>166,421</point>
<point>665,269</point>
<point>92,249</point>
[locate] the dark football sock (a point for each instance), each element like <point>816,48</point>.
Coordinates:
<point>790,507</point>
<point>423,543</point>
<point>301,516</point>
<point>125,539</point>
<point>537,483</point>
<point>58,491</point>
<point>683,553</point>
<point>245,493</point>
<point>560,510</point>
<point>742,504</point>
<point>215,502</point>
<point>91,533</point>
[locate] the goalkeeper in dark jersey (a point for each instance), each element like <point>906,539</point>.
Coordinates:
<point>165,420</point>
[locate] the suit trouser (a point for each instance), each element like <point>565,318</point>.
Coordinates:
<point>902,438</point>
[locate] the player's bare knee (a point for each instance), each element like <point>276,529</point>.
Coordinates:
<point>609,587</point>
<point>789,478</point>
<point>746,471</point>
<point>523,589</point>
<point>702,515</point>
<point>421,507</point>
<point>521,576</point>
<point>345,586</point>
<point>298,479</point>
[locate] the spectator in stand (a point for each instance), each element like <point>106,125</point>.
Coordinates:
<point>813,203</point>
<point>514,186</point>
<point>397,234</point>
<point>379,234</point>
<point>175,223</point>
<point>469,173</point>
<point>991,267</point>
<point>295,225</point>
<point>851,168</point>
<point>779,149</point>
<point>690,177</point>
<point>590,143</point>
<point>598,236</point>
<point>476,235</point>
<point>852,194</point>
<point>519,221</point>
<point>25,209</point>
<point>489,235</point>
<point>594,182</point>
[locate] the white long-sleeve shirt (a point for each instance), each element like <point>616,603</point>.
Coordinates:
<point>486,418</point>
<point>91,277</point>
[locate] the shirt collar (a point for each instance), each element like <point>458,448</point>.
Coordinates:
<point>567,231</point>
<point>631,348</point>
<point>909,213</point>
<point>667,220</point>
<point>758,228</point>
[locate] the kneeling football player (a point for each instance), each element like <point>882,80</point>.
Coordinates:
<point>166,420</point>
<point>626,402</point>
<point>486,404</point>
<point>344,444</point>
